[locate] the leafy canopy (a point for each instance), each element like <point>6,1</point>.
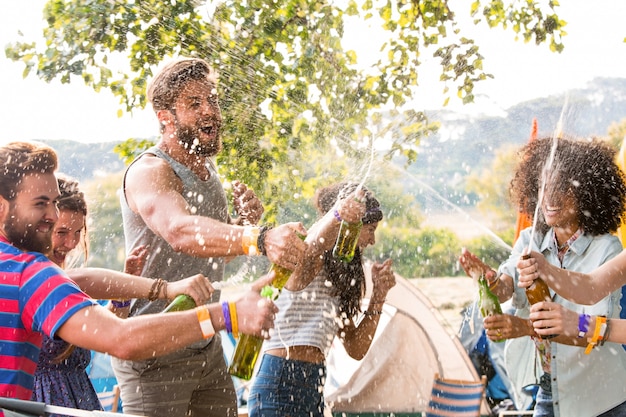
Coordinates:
<point>290,93</point>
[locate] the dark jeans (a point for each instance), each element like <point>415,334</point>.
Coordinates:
<point>287,388</point>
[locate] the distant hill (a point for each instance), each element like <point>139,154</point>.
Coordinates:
<point>463,143</point>
<point>84,161</point>
<point>467,143</point>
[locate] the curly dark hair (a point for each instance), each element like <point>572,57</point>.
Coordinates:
<point>584,167</point>
<point>347,278</point>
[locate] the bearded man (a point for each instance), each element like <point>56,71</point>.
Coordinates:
<point>174,203</point>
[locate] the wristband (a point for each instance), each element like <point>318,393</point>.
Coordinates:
<point>233,318</point>
<point>249,240</point>
<point>495,283</point>
<point>337,216</point>
<point>204,318</point>
<point>120,303</point>
<point>227,322</point>
<point>598,333</point>
<point>583,325</point>
<point>605,336</point>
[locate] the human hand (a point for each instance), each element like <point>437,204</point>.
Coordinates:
<point>247,204</point>
<point>474,267</point>
<point>136,260</point>
<point>550,318</point>
<point>255,314</point>
<point>506,326</point>
<point>529,267</point>
<point>284,245</point>
<point>197,287</point>
<point>383,279</point>
<point>352,208</point>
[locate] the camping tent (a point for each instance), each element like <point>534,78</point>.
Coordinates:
<point>396,375</point>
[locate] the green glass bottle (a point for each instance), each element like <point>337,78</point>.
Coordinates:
<point>347,240</point>
<point>488,303</point>
<point>180,303</point>
<point>249,347</point>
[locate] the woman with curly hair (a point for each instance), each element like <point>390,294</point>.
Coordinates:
<point>583,199</point>
<point>321,300</point>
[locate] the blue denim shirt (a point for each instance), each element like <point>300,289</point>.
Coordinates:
<point>582,385</point>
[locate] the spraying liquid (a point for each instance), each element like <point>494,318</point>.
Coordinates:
<point>348,235</point>
<point>539,290</point>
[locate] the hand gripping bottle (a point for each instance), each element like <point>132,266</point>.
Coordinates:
<point>180,303</point>
<point>488,303</point>
<point>538,291</point>
<point>249,347</point>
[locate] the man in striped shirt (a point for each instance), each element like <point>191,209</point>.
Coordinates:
<point>37,297</point>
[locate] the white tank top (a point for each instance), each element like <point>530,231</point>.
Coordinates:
<point>305,318</point>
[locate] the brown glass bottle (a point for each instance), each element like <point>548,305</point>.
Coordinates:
<point>538,291</point>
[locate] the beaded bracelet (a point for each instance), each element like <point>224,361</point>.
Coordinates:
<point>120,303</point>
<point>260,242</point>
<point>227,323</point>
<point>155,290</point>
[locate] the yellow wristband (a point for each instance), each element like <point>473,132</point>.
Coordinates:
<point>598,333</point>
<point>233,318</point>
<point>204,318</point>
<point>249,240</point>
<point>494,284</point>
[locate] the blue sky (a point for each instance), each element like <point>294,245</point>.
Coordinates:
<point>33,109</point>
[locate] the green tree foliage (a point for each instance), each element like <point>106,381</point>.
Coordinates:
<point>491,184</point>
<point>617,133</point>
<point>106,235</point>
<point>289,89</point>
<point>427,252</point>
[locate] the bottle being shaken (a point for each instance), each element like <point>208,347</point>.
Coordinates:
<point>182,302</point>
<point>488,303</point>
<point>538,291</point>
<point>347,239</point>
<point>248,348</point>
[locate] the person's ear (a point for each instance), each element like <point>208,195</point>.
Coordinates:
<point>4,209</point>
<point>165,118</point>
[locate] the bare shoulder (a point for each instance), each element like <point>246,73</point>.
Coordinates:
<point>150,172</point>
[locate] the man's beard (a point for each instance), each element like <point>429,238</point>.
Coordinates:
<point>27,238</point>
<point>188,138</point>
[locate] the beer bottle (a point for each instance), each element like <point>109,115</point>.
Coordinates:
<point>538,291</point>
<point>248,348</point>
<point>180,303</point>
<point>488,303</point>
<point>347,240</point>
